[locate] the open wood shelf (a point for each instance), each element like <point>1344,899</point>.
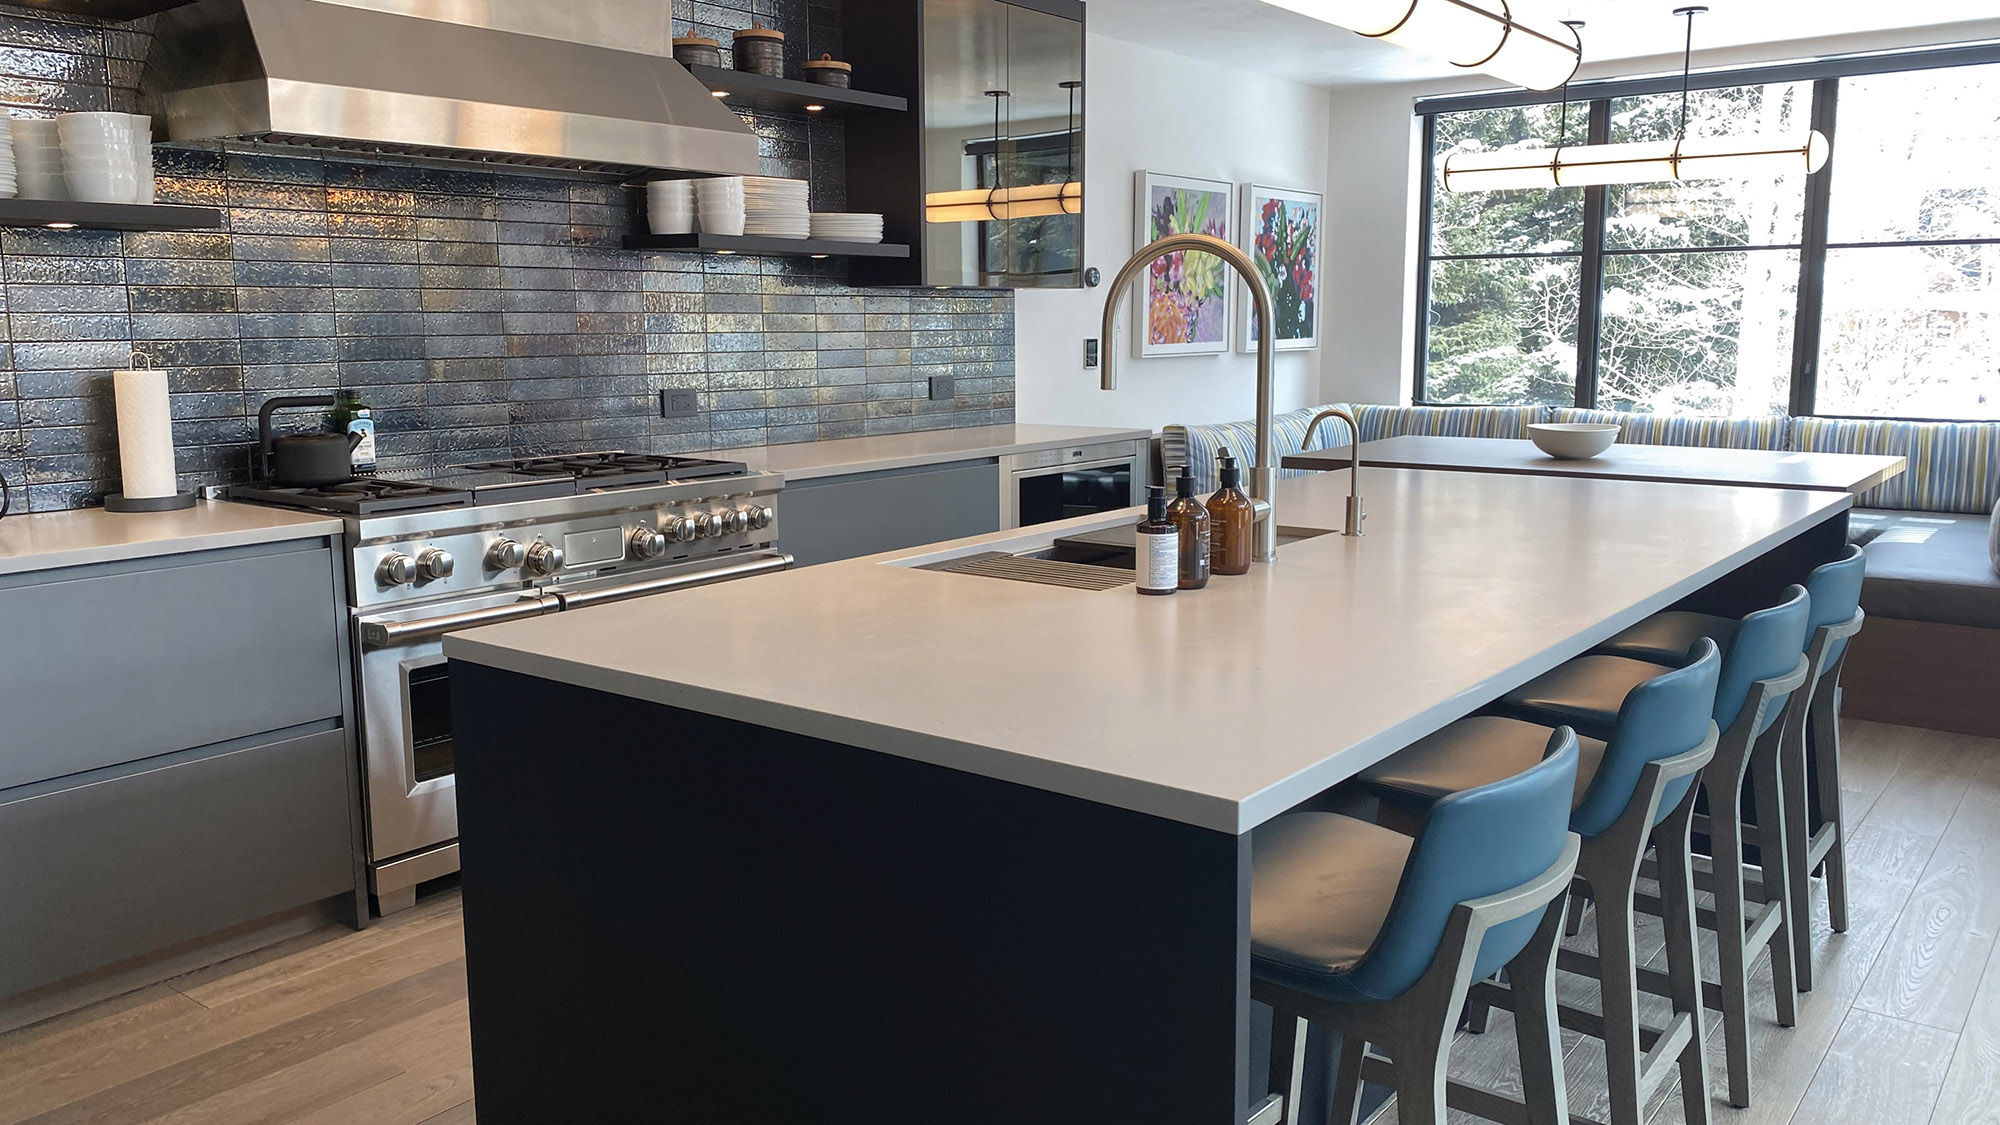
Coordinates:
<point>741,87</point>
<point>764,245</point>
<point>106,216</point>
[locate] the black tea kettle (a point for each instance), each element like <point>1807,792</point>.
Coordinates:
<point>304,460</point>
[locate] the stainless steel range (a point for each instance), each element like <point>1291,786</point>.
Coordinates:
<point>482,544</point>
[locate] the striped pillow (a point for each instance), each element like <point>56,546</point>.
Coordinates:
<point>1769,432</point>
<point>1198,446</point>
<point>1457,421</point>
<point>1954,466</point>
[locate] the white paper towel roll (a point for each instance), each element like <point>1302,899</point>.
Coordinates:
<point>145,434</point>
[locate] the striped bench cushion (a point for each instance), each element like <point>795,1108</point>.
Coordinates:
<point>1379,422</point>
<point>1198,446</point>
<point>1954,466</point>
<point>1768,432</point>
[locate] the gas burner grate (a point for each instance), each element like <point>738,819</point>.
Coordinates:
<point>362,496</point>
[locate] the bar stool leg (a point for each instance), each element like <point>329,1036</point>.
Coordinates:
<point>1798,835</point>
<point>1618,976</point>
<point>1826,756</point>
<point>1766,767</point>
<point>1726,846</point>
<point>1537,1032</point>
<point>1288,1051</point>
<point>1346,1107</point>
<point>1420,1062</point>
<point>1673,844</point>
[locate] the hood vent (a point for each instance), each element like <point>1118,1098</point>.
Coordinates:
<point>421,78</point>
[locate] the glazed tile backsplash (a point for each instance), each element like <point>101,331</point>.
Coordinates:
<point>482,313</point>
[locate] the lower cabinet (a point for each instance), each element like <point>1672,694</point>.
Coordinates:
<point>834,518</point>
<point>116,868</point>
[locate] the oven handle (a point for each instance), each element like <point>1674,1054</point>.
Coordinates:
<point>396,634</point>
<point>761,564</point>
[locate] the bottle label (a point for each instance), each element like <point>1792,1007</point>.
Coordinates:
<point>1159,562</point>
<point>363,457</point>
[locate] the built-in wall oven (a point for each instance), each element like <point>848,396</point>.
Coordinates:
<point>1076,480</point>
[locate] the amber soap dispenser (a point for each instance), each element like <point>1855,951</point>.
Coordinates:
<point>1232,522</point>
<point>1191,520</point>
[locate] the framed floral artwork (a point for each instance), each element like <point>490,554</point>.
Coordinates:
<point>1281,232</point>
<point>1184,302</point>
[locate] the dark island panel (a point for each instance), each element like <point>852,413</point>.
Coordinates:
<point>671,916</point>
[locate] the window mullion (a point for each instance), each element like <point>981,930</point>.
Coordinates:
<point>1812,260</point>
<point>1590,284</point>
<point>1427,185</point>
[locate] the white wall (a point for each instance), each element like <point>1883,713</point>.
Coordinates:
<point>1370,264</point>
<point>1150,110</point>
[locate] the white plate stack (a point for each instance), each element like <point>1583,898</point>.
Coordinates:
<point>718,202</point>
<point>850,226</point>
<point>142,156</point>
<point>38,165</point>
<point>9,184</point>
<point>670,206</point>
<point>100,160</point>
<point>776,208</point>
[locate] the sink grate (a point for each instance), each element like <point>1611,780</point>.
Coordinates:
<point>1045,572</point>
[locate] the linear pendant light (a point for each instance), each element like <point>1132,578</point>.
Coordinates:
<point>1640,162</point>
<point>1027,201</point>
<point>1508,39</point>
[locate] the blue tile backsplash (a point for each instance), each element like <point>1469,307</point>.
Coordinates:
<point>482,313</point>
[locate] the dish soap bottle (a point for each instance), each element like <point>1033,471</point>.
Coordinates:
<point>1234,519</point>
<point>352,416</point>
<point>1191,520</point>
<point>1158,562</point>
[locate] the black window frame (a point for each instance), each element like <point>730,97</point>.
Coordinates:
<point>1825,76</point>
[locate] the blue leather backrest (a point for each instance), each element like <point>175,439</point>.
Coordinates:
<point>1836,594</point>
<point>1476,843</point>
<point>1767,645</point>
<point>1666,716</point>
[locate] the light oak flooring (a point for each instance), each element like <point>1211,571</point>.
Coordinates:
<point>1902,1027</point>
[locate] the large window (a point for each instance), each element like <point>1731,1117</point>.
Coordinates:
<point>1870,289</point>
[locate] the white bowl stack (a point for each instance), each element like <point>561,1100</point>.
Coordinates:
<point>670,206</point>
<point>99,157</point>
<point>38,166</point>
<point>142,156</point>
<point>719,204</point>
<point>846,226</point>
<point>776,208</point>
<point>9,184</point>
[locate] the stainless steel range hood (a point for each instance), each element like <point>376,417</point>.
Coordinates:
<point>581,84</point>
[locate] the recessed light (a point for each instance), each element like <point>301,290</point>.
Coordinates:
<point>817,257</point>
<point>814,108</point>
<point>722,93</point>
<point>725,251</point>
<point>62,226</point>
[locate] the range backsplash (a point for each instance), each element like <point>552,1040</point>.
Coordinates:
<point>482,314</point>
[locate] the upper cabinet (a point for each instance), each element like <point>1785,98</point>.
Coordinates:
<point>985,182</point>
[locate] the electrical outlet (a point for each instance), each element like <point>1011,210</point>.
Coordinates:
<point>1090,353</point>
<point>679,404</point>
<point>943,388</point>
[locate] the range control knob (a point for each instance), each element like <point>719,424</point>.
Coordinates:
<point>647,543</point>
<point>681,528</point>
<point>737,521</point>
<point>396,569</point>
<point>761,516</point>
<point>544,559</point>
<point>434,564</point>
<point>505,554</point>
<point>712,525</point>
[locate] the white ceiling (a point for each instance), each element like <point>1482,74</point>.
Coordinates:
<point>1256,36</point>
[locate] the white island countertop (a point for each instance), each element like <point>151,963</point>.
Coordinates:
<point>1220,708</point>
<point>47,540</point>
<point>807,460</point>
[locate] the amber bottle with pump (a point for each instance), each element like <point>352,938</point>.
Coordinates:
<point>1233,520</point>
<point>1159,557</point>
<point>1191,520</point>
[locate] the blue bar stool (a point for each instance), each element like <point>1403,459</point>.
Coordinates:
<point>1380,937</point>
<point>1817,838</point>
<point>1763,667</point>
<point>1634,792</point>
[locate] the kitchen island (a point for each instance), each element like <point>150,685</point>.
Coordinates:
<point>902,845</point>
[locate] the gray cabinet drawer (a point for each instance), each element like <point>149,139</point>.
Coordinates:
<point>845,517</point>
<point>94,875</point>
<point>111,665</point>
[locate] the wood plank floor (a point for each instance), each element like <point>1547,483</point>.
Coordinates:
<point>1903,1025</point>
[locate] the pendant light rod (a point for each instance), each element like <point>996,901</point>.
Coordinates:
<point>1687,60</point>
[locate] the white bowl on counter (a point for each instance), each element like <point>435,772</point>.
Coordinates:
<point>1573,441</point>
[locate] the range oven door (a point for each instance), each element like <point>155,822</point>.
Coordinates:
<point>406,716</point>
<point>1036,488</point>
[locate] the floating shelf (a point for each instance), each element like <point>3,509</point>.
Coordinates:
<point>740,87</point>
<point>764,245</point>
<point>66,213</point>
<point>102,9</point>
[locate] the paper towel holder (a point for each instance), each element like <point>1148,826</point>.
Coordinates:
<point>119,502</point>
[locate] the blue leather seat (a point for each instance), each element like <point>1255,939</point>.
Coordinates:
<point>1380,936</point>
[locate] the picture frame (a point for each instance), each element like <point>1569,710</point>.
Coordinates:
<point>1282,230</point>
<point>1185,307</point>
